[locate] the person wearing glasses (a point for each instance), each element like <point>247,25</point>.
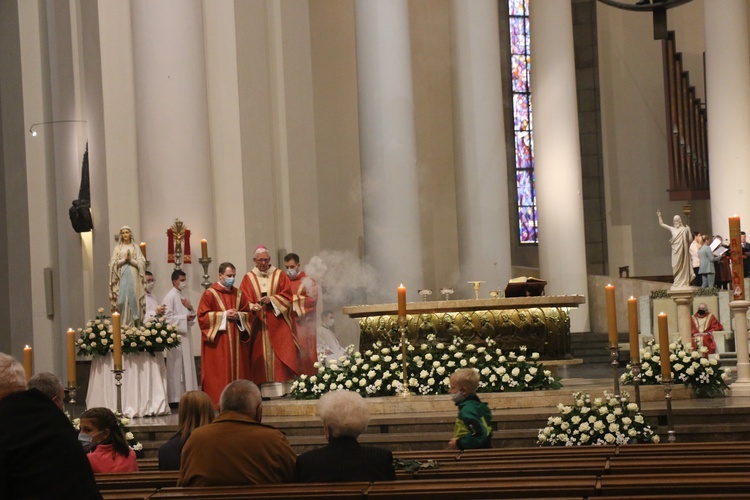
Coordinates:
<point>275,349</point>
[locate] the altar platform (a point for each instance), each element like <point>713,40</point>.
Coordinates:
<point>426,422</point>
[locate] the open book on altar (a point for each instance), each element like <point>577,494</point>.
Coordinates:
<point>525,287</point>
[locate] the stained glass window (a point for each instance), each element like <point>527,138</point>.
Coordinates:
<point>523,130</point>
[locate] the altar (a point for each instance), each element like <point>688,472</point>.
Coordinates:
<point>144,384</point>
<point>542,324</point>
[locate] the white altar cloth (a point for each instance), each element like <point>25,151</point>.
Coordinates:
<point>144,385</point>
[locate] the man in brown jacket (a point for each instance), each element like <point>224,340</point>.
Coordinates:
<point>236,449</point>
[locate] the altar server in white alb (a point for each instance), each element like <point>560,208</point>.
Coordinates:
<point>180,362</point>
<point>153,309</point>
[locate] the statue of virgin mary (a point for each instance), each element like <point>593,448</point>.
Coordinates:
<point>127,278</point>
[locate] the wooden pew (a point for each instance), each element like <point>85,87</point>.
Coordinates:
<point>346,491</point>
<point>143,479</point>
<point>134,494</point>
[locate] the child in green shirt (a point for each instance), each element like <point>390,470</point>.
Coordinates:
<point>472,429</point>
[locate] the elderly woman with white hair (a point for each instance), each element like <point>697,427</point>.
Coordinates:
<point>345,416</point>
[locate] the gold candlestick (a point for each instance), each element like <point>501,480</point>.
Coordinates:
<point>402,328</point>
<point>476,284</point>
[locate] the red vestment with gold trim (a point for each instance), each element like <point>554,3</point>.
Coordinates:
<point>225,355</point>
<point>275,351</point>
<point>304,303</point>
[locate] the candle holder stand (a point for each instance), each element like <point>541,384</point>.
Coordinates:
<point>477,285</point>
<point>636,369</point>
<point>177,259</point>
<point>614,356</point>
<point>72,391</point>
<point>205,262</point>
<point>118,384</point>
<point>405,393</point>
<point>668,397</point>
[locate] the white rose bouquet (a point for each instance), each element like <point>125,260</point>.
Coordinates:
<point>597,422</point>
<point>379,371</point>
<point>95,339</point>
<point>690,367</point>
<point>154,336</point>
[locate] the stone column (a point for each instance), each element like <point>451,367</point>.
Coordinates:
<point>388,146</point>
<point>684,300</point>
<point>481,177</point>
<point>741,386</point>
<point>562,242</point>
<point>728,108</point>
<point>174,161</point>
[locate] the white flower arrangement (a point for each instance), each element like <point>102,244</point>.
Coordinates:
<point>597,422</point>
<point>155,336</point>
<point>95,339</point>
<point>379,371</point>
<point>689,367</point>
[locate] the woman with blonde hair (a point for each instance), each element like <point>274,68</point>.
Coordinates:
<point>196,410</point>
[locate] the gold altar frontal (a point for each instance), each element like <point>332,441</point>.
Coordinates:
<point>542,324</point>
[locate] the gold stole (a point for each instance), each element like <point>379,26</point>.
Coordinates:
<point>284,306</point>
<point>298,301</point>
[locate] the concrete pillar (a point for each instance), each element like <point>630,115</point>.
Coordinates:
<point>728,108</point>
<point>388,146</point>
<point>174,160</point>
<point>741,386</point>
<point>481,178</point>
<point>562,245</point>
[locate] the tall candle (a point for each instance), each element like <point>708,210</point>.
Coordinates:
<point>611,315</point>
<point>737,290</point>
<point>116,341</point>
<point>401,301</point>
<point>28,362</point>
<point>143,250</point>
<point>666,370</point>
<point>204,248</point>
<point>70,338</point>
<point>635,355</point>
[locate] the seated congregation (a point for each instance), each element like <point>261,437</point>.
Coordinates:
<point>234,455</point>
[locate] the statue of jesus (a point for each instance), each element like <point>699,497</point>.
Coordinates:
<point>682,268</point>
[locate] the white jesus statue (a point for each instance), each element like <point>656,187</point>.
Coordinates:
<point>682,268</point>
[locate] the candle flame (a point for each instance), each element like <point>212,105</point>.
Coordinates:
<point>27,347</point>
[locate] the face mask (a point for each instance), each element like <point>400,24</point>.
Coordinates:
<point>329,324</point>
<point>149,287</point>
<point>228,282</point>
<point>292,273</point>
<point>458,397</point>
<point>87,440</point>
<point>182,285</point>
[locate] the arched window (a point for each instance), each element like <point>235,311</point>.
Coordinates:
<point>523,130</point>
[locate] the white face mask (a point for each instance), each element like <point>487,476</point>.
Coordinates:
<point>329,324</point>
<point>150,286</point>
<point>292,273</point>
<point>182,285</point>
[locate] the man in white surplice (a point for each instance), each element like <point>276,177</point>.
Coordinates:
<point>153,309</point>
<point>180,362</point>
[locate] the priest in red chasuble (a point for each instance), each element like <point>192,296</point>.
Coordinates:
<point>224,317</point>
<point>275,351</point>
<point>304,303</point>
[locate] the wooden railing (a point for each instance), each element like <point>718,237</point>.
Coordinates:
<point>687,128</point>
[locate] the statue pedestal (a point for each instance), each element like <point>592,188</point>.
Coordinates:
<point>741,387</point>
<point>683,297</point>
